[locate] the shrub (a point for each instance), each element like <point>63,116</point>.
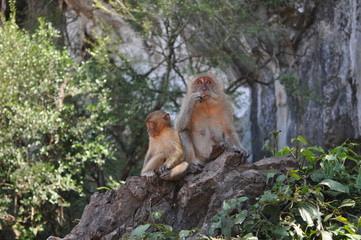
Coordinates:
<point>52,131</point>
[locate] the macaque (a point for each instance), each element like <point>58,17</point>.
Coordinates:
<point>165,157</point>
<point>205,122</point>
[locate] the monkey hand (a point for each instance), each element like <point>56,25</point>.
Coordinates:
<point>196,97</point>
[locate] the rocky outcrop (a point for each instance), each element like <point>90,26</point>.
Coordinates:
<point>187,204</point>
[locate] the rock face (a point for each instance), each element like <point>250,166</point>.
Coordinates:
<point>317,61</point>
<point>306,81</point>
<point>187,204</point>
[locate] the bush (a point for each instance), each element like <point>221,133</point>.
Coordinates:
<point>320,200</point>
<point>52,132</point>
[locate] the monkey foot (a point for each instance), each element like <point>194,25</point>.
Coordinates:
<point>165,175</point>
<point>195,168</point>
<point>150,176</point>
<point>242,152</point>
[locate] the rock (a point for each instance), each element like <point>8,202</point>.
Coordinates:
<point>187,204</point>
<point>308,67</point>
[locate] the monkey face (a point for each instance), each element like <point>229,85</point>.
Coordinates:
<point>152,128</point>
<point>205,86</point>
<point>156,121</point>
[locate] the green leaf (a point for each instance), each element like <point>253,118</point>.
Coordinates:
<point>298,230</point>
<point>242,199</point>
<point>140,230</point>
<point>283,152</point>
<point>305,190</point>
<point>103,188</point>
<point>347,203</point>
<point>226,227</point>
<point>269,176</point>
<point>327,217</point>
<point>239,218</point>
<point>300,139</point>
<point>281,178</point>
<point>358,180</point>
<point>308,154</point>
<point>158,214</point>
<point>308,213</point>
<point>330,157</point>
<point>326,235</point>
<point>353,236</point>
<point>334,185</point>
<point>350,228</point>
<point>183,234</point>
<point>294,175</point>
<point>249,236</point>
<point>317,149</point>
<point>227,205</point>
<point>268,197</point>
<point>341,219</point>
<point>282,231</point>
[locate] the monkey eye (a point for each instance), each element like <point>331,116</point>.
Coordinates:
<point>199,81</point>
<point>209,81</point>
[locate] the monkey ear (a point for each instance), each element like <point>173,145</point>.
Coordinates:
<point>166,117</point>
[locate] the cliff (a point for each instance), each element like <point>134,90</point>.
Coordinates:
<point>303,79</point>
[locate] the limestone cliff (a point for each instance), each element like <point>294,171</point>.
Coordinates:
<point>305,79</point>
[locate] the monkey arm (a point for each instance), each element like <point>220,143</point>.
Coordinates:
<point>147,157</point>
<point>231,138</point>
<point>177,154</point>
<point>153,163</point>
<point>185,114</point>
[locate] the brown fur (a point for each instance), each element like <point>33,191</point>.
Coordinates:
<point>165,155</point>
<point>205,122</point>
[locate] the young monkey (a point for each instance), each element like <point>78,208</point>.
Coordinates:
<point>165,157</point>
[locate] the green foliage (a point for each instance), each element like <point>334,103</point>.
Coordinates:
<point>272,146</point>
<point>52,131</point>
<point>62,126</point>
<point>212,29</point>
<point>159,231</point>
<point>229,218</point>
<point>320,200</point>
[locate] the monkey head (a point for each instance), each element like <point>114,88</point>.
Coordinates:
<point>156,121</point>
<point>207,84</point>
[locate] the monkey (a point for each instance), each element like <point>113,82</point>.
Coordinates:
<point>165,156</point>
<point>205,122</point>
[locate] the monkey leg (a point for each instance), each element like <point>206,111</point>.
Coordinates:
<point>188,148</point>
<point>175,173</point>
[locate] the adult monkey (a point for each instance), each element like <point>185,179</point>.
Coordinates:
<point>205,122</point>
